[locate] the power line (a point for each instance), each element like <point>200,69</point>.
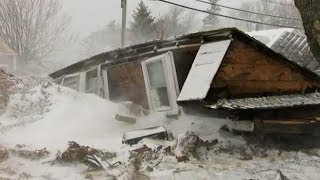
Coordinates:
<point>247,11</point>
<point>276,2</point>
<point>225,16</point>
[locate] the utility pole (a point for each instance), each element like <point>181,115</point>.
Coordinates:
<point>124,22</point>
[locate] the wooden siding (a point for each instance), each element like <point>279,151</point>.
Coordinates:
<point>246,71</point>
<point>126,83</point>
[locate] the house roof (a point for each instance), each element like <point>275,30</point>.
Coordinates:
<point>268,102</point>
<point>157,46</point>
<point>296,48</point>
<point>5,49</point>
<point>290,43</point>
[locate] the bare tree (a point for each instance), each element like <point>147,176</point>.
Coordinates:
<point>267,7</point>
<point>32,27</point>
<point>102,40</point>
<point>176,21</point>
<point>211,21</point>
<point>310,13</point>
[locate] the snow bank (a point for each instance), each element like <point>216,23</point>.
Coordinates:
<point>50,116</point>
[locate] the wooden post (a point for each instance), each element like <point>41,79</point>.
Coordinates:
<point>124,22</point>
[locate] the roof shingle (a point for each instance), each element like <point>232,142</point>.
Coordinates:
<point>268,102</point>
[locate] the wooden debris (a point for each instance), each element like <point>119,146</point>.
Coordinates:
<point>126,119</point>
<point>83,154</point>
<point>182,158</point>
<point>133,137</point>
<point>287,126</point>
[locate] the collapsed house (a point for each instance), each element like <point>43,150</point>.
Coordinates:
<point>221,73</point>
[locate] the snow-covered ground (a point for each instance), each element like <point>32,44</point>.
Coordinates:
<point>49,116</point>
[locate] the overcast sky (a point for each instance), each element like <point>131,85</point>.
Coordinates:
<point>91,15</point>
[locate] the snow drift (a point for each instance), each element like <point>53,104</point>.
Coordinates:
<point>50,116</point>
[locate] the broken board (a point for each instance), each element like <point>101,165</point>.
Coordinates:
<point>133,137</point>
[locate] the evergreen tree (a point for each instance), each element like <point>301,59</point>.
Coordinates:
<point>142,26</point>
<point>211,21</point>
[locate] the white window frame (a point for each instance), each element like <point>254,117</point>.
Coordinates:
<point>171,82</point>
<point>106,91</point>
<point>72,75</point>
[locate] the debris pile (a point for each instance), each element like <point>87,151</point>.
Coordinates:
<point>188,145</point>
<point>9,85</point>
<point>84,154</point>
<point>32,155</point>
<point>4,154</point>
<point>146,155</point>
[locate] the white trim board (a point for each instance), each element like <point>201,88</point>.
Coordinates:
<point>203,70</point>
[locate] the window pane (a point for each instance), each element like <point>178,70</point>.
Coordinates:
<point>91,81</point>
<point>156,74</point>
<point>72,82</point>
<point>160,97</point>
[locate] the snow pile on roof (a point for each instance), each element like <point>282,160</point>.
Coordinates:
<point>268,37</point>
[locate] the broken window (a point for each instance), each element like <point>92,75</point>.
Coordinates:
<point>161,83</point>
<point>71,81</point>
<point>92,81</point>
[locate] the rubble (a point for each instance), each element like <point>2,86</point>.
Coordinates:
<point>4,155</point>
<point>188,144</point>
<point>31,154</point>
<point>9,85</point>
<point>83,154</point>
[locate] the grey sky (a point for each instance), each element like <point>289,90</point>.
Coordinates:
<point>90,15</point>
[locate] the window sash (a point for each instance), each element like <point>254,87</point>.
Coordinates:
<point>171,83</point>
<point>71,81</point>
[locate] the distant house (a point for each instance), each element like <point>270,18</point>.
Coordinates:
<point>221,73</point>
<point>8,58</point>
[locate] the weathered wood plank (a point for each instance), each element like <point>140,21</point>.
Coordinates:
<point>246,70</point>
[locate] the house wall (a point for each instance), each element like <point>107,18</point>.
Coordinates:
<point>248,71</point>
<point>8,61</point>
<point>126,83</point>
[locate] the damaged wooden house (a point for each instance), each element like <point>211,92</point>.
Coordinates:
<point>222,73</point>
